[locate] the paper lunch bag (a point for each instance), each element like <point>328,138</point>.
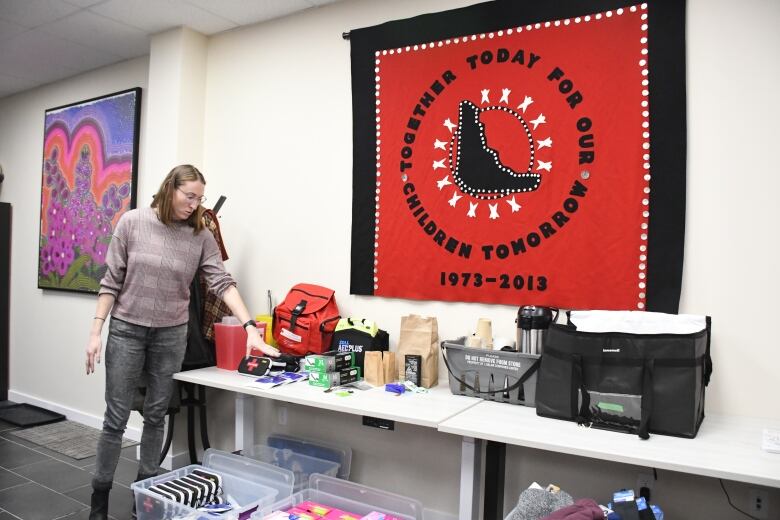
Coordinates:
<point>419,336</point>
<point>379,367</point>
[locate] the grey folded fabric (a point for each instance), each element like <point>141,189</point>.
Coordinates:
<point>538,503</point>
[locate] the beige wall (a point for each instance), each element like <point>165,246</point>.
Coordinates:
<point>49,329</point>
<point>277,142</point>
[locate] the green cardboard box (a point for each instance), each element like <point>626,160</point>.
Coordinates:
<point>330,379</point>
<point>328,362</point>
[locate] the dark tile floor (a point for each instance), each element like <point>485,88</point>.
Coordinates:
<point>40,484</point>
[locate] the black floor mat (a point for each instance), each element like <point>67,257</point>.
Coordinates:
<point>25,415</point>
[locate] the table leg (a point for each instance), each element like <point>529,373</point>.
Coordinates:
<point>245,421</point>
<point>470,478</point>
<point>495,456</point>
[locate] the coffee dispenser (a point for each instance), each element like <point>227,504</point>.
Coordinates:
<point>532,323</point>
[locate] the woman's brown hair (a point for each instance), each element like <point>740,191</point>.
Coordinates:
<point>163,200</point>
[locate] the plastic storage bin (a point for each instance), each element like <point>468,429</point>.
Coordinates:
<point>485,373</point>
<point>230,343</point>
<point>432,514</point>
<point>248,482</point>
<point>349,497</point>
<point>315,448</point>
<point>301,465</point>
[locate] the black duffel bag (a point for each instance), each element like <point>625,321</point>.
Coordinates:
<point>631,382</point>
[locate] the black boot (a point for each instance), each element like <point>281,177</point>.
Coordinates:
<point>99,503</point>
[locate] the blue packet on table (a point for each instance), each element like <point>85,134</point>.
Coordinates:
<point>395,388</point>
<point>292,377</point>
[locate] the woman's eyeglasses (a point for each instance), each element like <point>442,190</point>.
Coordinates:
<point>191,197</point>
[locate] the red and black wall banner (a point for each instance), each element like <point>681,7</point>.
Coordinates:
<point>522,153</point>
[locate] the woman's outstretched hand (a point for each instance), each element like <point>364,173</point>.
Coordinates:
<point>255,342</point>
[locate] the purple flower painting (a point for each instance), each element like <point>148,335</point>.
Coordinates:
<point>90,166</point>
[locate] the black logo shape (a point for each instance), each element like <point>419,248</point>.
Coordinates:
<point>479,170</point>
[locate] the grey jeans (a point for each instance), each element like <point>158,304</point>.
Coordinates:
<point>130,351</point>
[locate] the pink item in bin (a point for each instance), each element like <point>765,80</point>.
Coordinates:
<point>376,515</point>
<point>326,512</point>
<point>301,514</point>
<point>341,515</point>
<point>313,507</point>
<point>338,514</point>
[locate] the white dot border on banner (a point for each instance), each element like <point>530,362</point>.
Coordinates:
<point>646,176</point>
<point>377,78</point>
<point>645,130</point>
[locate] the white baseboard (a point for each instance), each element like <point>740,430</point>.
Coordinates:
<point>72,414</point>
<point>172,461</point>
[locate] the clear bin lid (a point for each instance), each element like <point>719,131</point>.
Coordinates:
<point>266,453</point>
<point>366,495</point>
<point>317,449</point>
<point>252,470</point>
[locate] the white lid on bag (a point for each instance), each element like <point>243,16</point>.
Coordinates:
<point>637,322</point>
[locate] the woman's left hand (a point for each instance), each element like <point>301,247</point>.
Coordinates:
<point>255,342</point>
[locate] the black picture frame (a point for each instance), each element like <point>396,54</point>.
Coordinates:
<point>88,180</point>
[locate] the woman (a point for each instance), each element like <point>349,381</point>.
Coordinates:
<point>154,254</point>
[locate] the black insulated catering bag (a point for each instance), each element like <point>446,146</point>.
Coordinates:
<point>637,372</point>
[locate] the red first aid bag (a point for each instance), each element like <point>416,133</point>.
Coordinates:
<point>305,320</point>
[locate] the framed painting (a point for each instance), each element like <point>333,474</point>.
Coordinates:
<point>90,169</point>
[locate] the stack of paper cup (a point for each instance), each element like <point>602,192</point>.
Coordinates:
<point>485,331</point>
<point>473,342</point>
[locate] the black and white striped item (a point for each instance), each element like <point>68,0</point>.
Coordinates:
<point>208,488</point>
<point>197,489</point>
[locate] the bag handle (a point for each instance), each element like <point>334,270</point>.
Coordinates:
<point>297,311</point>
<point>352,323</point>
<point>707,357</point>
<point>527,374</point>
<point>647,398</point>
<point>578,384</point>
<point>584,415</point>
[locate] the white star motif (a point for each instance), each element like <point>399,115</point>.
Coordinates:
<point>450,125</point>
<point>444,182</point>
<point>439,164</point>
<point>505,96</point>
<point>472,209</point>
<point>439,144</point>
<point>527,101</point>
<point>545,142</point>
<point>538,121</point>
<point>493,211</point>
<point>455,198</point>
<point>485,98</point>
<point>545,165</point>
<point>515,206</point>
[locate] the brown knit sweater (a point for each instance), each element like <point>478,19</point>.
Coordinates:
<point>151,266</point>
